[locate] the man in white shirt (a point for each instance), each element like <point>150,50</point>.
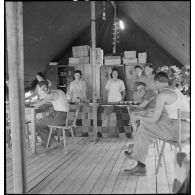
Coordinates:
<point>60,105</point>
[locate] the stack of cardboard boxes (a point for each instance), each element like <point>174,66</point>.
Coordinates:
<point>80,55</point>
<point>130,57</point>
<point>112,60</point>
<point>81,60</point>
<point>83,55</point>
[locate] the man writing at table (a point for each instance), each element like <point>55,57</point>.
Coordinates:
<point>161,125</point>
<point>60,105</point>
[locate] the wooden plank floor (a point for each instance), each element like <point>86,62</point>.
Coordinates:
<point>92,169</point>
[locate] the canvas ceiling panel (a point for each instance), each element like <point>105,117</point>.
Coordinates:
<point>164,26</point>
<point>51,31</point>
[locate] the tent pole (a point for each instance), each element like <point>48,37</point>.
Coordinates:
<point>14,24</point>
<point>93,35</point>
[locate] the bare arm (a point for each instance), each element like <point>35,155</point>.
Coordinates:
<point>142,105</point>
<point>160,101</point>
<point>123,94</point>
<point>53,96</point>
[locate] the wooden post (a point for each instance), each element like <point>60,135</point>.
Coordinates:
<point>93,38</point>
<point>14,23</point>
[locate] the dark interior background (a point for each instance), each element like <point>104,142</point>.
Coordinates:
<point>51,28</point>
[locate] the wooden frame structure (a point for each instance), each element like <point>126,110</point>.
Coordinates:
<point>14,23</point>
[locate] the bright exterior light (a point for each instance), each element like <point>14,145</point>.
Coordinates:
<point>121,25</point>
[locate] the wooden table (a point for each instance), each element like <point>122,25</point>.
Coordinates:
<point>128,106</point>
<point>34,111</point>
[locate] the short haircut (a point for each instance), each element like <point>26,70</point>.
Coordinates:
<point>161,77</point>
<point>138,83</point>
<point>114,69</point>
<point>149,65</point>
<point>45,82</point>
<point>78,71</point>
<point>138,66</point>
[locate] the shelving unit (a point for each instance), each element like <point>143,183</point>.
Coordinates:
<point>64,77</point>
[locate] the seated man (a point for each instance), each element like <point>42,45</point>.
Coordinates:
<point>137,78</point>
<point>60,105</point>
<point>147,96</point>
<point>147,102</point>
<point>162,124</point>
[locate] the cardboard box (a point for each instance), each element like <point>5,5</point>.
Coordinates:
<point>72,65</point>
<point>73,60</point>
<point>77,51</point>
<point>112,57</point>
<point>112,61</point>
<point>99,55</point>
<point>142,57</point>
<point>129,60</point>
<point>129,54</point>
<point>84,60</point>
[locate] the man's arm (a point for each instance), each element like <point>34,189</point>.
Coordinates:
<point>123,94</point>
<point>142,105</point>
<point>41,102</point>
<point>160,102</point>
<point>52,96</point>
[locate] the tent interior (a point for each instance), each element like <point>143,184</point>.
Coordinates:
<point>51,28</point>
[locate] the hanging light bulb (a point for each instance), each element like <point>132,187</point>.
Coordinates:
<point>121,25</point>
<point>104,12</point>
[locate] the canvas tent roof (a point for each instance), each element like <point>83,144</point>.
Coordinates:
<point>51,28</point>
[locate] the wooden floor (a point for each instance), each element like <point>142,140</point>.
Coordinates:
<point>92,169</point>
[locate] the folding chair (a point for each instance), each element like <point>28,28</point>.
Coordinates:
<point>70,122</point>
<point>182,115</point>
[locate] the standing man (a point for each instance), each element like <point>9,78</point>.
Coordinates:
<point>60,105</point>
<point>149,76</point>
<point>161,125</point>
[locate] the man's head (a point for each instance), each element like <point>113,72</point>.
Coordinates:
<point>161,80</point>
<point>141,87</point>
<point>77,74</point>
<point>148,69</point>
<point>138,70</point>
<point>44,86</point>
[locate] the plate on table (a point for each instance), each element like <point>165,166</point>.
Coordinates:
<point>124,102</point>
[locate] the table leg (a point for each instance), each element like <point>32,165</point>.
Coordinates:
<point>33,131</point>
<point>128,109</point>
